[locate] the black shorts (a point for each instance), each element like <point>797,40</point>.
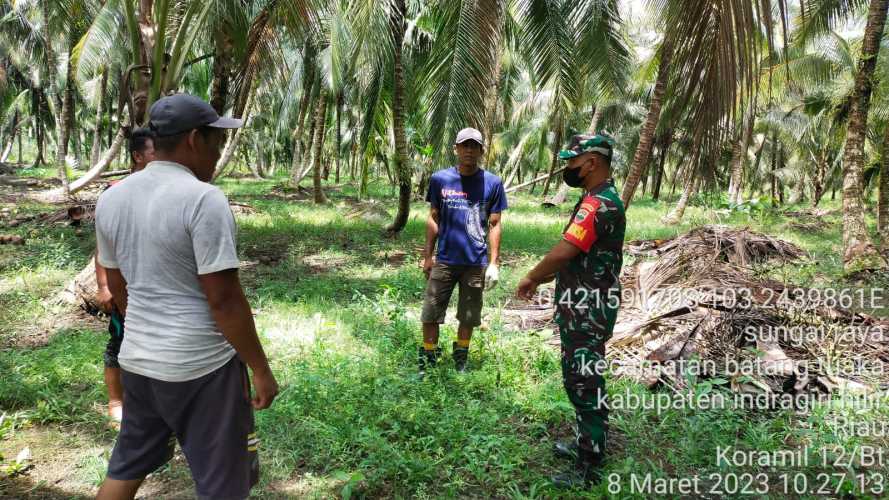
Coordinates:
<point>210,416</point>
<point>115,339</point>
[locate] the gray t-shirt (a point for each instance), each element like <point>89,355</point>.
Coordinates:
<point>162,227</point>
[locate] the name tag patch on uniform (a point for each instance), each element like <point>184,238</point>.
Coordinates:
<point>577,231</point>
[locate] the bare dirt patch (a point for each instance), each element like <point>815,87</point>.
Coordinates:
<point>270,251</point>
<point>70,462</point>
<point>321,263</point>
<point>287,193</point>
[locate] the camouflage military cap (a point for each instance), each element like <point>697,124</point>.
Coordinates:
<point>580,144</point>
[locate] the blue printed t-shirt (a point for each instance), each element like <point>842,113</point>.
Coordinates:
<point>464,204</point>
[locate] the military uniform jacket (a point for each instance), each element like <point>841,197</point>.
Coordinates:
<point>588,289</point>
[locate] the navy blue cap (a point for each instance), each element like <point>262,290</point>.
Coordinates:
<point>180,113</point>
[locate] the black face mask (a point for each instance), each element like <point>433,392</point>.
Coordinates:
<point>572,177</point>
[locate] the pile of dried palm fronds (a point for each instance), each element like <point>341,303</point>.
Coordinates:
<point>700,304</point>
<point>522,315</point>
<point>368,211</point>
<point>810,219</point>
<point>720,243</point>
<point>287,193</point>
<point>239,208</point>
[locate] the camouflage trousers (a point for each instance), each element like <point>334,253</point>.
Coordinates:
<point>583,364</point>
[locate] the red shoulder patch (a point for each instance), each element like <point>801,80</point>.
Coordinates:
<point>582,230</point>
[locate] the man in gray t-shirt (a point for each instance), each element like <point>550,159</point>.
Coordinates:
<point>167,240</point>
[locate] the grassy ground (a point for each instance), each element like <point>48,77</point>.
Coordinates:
<point>338,313</point>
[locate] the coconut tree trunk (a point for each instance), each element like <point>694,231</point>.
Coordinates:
<point>365,176</point>
<point>110,107</point>
<point>858,251</point>
<point>339,134</point>
<point>65,122</point>
<point>883,199</point>
<point>77,138</point>
<point>738,156</point>
<point>781,165</point>
<point>51,63</point>
<point>100,166</point>
<point>675,215</point>
<point>19,157</point>
<point>594,120</point>
<point>299,172</point>
<point>773,192</point>
<point>818,177</point>
<point>491,100</point>
<point>353,156</point>
<point>664,149</point>
<point>308,84</point>
<point>59,194</point>
<point>39,139</point>
<point>100,113</point>
<point>235,139</point>
<point>557,143</point>
<point>222,64</point>
<point>643,150</point>
<point>674,180</point>
<point>317,143</point>
<point>560,196</point>
<point>534,180</point>
<point>402,167</point>
<point>5,152</point>
<point>658,177</point>
<point>12,135</point>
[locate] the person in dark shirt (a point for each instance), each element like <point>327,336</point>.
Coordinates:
<point>465,203</point>
<point>141,147</point>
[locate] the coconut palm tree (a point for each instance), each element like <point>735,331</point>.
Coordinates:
<point>858,250</point>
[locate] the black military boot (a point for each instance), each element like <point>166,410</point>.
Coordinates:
<point>427,359</point>
<point>461,355</point>
<point>566,449</point>
<point>586,472</point>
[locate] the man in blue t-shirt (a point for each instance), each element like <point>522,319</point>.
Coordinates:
<point>465,203</point>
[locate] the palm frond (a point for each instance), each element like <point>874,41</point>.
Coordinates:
<point>467,37</point>
<point>550,41</point>
<point>606,55</point>
<point>822,16</point>
<point>101,43</point>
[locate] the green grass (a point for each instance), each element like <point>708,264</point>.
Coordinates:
<point>341,327</point>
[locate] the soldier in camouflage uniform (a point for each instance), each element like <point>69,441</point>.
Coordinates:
<point>586,265</point>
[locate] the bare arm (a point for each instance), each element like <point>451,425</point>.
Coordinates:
<point>233,317</point>
<point>103,293</point>
<point>118,286</point>
<point>495,230</point>
<point>431,232</point>
<point>431,239</point>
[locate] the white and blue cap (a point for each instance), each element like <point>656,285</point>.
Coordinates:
<point>469,134</point>
<point>180,113</point>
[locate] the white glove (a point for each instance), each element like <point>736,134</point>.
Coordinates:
<point>492,276</point>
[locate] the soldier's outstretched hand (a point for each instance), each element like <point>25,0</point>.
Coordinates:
<point>526,289</point>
